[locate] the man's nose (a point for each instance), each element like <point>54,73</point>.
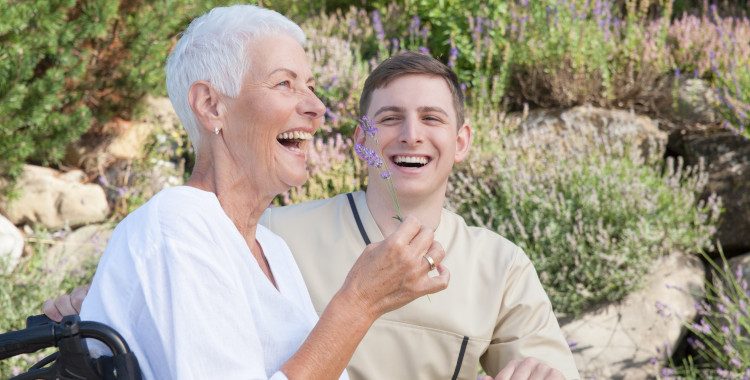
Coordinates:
<point>411,131</point>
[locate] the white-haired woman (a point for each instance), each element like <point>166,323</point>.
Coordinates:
<point>192,282</point>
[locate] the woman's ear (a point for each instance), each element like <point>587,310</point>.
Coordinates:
<point>463,143</point>
<point>204,101</point>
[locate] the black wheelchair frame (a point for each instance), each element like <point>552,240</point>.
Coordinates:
<point>72,361</point>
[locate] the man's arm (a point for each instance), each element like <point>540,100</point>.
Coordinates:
<point>66,304</point>
<point>527,334</point>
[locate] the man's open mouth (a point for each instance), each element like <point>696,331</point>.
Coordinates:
<point>410,161</point>
<point>293,140</point>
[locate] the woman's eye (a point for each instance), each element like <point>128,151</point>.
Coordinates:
<point>284,83</point>
<point>312,88</point>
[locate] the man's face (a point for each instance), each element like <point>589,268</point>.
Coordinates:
<point>418,135</point>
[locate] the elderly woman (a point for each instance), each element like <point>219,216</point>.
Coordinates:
<point>193,283</point>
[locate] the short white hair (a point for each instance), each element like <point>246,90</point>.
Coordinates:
<point>213,48</point>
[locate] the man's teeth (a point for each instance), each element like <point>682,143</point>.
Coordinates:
<point>296,135</point>
<point>410,160</point>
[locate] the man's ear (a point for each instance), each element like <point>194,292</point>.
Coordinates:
<point>204,101</point>
<point>463,143</point>
<point>359,135</point>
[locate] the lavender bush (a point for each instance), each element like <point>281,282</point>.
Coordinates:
<point>720,336</point>
<point>591,213</point>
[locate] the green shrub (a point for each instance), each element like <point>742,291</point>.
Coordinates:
<point>68,66</point>
<point>591,215</point>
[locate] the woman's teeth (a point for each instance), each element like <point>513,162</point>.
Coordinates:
<point>293,140</point>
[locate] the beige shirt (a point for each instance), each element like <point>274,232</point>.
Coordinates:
<point>494,309</point>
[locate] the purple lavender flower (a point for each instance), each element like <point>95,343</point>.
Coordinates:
<point>375,159</point>
<point>378,26</point>
<point>368,126</point>
<point>369,155</point>
<point>103,180</point>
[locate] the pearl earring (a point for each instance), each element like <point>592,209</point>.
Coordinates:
<point>216,130</point>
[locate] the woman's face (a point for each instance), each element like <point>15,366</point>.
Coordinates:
<point>268,126</point>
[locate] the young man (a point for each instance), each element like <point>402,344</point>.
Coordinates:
<point>494,311</point>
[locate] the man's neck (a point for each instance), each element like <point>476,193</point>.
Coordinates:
<point>427,210</point>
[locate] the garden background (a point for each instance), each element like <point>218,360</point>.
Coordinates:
<point>593,214</point>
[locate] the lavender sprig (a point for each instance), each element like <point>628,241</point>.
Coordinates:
<point>375,159</point>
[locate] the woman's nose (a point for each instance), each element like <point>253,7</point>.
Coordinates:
<point>312,106</point>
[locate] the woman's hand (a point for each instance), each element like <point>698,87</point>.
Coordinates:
<point>66,304</point>
<point>394,272</point>
<point>387,275</point>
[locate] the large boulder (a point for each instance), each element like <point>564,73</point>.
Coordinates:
<point>576,127</point>
<point>56,200</point>
<point>727,160</point>
<point>619,340</point>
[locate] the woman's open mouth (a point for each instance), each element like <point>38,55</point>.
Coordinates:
<point>294,140</point>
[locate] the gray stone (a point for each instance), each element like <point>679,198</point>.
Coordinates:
<point>727,159</point>
<point>81,247</point>
<point>575,128</point>
<point>618,341</point>
<point>695,101</point>
<point>11,245</point>
<point>56,200</point>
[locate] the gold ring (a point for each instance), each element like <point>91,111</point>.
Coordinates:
<point>430,261</point>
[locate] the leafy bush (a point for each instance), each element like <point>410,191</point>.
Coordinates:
<point>565,53</point>
<point>591,214</point>
<point>720,335</point>
<point>68,66</point>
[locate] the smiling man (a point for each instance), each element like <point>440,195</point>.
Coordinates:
<point>495,311</point>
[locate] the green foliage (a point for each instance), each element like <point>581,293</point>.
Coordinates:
<point>720,337</point>
<point>592,213</point>
<point>68,66</point>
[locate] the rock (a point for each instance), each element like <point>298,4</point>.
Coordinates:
<point>743,262</point>
<point>82,247</point>
<point>695,101</point>
<point>11,245</point>
<point>576,127</point>
<point>727,159</point>
<point>618,341</point>
<point>56,200</point>
<point>125,139</point>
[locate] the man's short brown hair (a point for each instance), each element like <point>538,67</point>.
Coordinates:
<point>412,63</point>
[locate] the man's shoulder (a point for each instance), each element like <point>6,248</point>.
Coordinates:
<point>305,210</point>
<point>458,224</point>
